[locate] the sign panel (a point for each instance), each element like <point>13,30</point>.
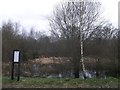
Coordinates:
<point>16,56</point>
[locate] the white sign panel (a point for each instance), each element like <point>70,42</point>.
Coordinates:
<point>16,56</point>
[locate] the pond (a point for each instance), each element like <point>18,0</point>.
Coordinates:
<point>89,74</point>
<point>67,74</point>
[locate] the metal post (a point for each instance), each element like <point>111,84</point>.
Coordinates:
<point>18,77</point>
<point>12,74</point>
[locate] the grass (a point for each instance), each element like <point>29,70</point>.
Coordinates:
<point>37,82</point>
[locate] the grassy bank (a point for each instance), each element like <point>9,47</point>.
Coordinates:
<point>37,82</point>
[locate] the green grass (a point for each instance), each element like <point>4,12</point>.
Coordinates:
<point>37,82</point>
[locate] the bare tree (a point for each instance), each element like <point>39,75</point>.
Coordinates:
<point>72,21</point>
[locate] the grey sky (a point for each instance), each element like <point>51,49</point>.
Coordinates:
<point>33,13</point>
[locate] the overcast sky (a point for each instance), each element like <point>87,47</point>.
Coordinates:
<point>34,13</point>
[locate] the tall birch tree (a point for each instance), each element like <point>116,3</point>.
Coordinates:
<point>73,21</point>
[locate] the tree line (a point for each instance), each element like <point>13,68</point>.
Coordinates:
<point>50,46</point>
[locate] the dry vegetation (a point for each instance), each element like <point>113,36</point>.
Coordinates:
<point>44,65</point>
<point>50,60</point>
<point>49,65</point>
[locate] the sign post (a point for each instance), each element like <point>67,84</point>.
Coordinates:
<point>16,60</point>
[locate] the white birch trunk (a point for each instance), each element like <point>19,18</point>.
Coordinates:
<point>82,57</point>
